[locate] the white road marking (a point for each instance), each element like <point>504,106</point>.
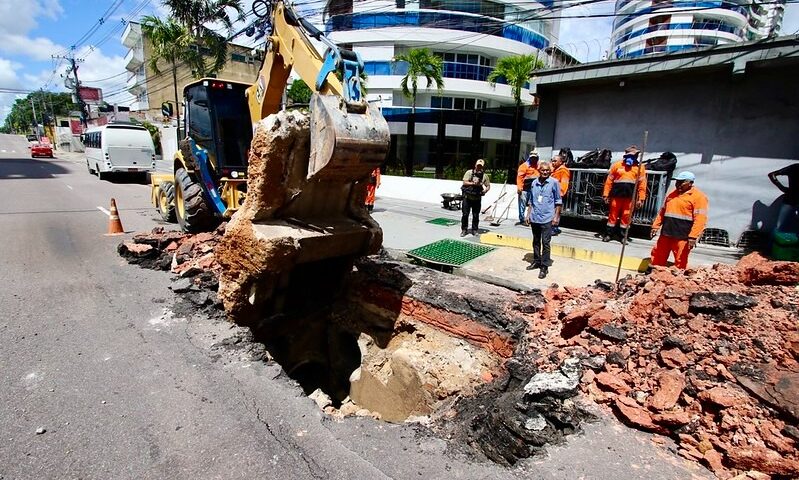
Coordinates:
<point>3,150</point>
<point>70,187</point>
<point>104,211</point>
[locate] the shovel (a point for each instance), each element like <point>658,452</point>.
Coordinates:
<point>494,204</point>
<point>495,221</point>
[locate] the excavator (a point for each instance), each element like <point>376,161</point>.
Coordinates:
<point>300,214</point>
<point>209,176</point>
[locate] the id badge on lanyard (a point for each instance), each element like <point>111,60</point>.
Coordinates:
<point>540,198</point>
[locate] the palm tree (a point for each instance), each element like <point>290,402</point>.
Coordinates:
<point>516,71</point>
<point>196,15</point>
<point>172,43</point>
<point>421,63</point>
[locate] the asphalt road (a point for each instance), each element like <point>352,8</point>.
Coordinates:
<point>91,352</point>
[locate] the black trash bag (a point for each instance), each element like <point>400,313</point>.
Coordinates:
<point>667,162</point>
<point>585,160</point>
<point>604,159</point>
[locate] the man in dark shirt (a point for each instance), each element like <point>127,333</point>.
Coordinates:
<point>788,218</point>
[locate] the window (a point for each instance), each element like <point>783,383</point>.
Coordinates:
<point>400,3</point>
<point>457,103</point>
<point>237,57</point>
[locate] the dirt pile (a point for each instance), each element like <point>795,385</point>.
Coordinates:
<point>709,357</point>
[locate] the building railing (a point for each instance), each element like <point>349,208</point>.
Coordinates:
<point>491,117</point>
<point>466,71</point>
<point>584,198</point>
<point>433,19</point>
<point>699,25</point>
<point>675,6</point>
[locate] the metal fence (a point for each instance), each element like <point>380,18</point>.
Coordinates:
<point>584,198</point>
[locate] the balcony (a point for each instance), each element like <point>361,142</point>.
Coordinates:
<point>435,19</point>
<point>136,84</point>
<point>131,37</point>
<point>134,59</point>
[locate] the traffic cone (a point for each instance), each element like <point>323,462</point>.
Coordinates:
<point>114,225</point>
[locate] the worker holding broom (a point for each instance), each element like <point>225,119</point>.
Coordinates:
<point>525,174</point>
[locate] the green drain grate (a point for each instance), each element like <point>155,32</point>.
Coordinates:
<point>447,222</point>
<point>449,252</point>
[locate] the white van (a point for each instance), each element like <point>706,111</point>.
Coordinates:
<point>119,147</point>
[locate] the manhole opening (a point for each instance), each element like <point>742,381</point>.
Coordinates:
<point>351,341</point>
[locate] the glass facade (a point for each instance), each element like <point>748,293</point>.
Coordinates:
<point>431,19</point>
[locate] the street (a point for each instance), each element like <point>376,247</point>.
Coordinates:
<point>121,387</point>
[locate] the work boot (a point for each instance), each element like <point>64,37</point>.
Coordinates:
<point>463,233</point>
<point>543,272</point>
<point>607,235</point>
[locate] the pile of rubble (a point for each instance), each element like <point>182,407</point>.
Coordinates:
<point>183,254</point>
<point>709,357</point>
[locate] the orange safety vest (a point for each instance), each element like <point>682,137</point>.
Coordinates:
<point>621,181</point>
<point>684,215</point>
<point>525,171</point>
<point>562,175</point>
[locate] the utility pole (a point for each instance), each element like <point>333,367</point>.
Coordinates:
<point>74,85</point>
<point>35,122</point>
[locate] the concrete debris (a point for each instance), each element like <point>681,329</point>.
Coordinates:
<point>709,358</point>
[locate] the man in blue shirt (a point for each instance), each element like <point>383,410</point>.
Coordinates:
<point>543,211</point>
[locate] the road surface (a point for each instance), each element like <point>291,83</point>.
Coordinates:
<point>120,387</point>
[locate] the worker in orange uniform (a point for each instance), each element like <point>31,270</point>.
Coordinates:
<point>525,174</point>
<point>619,188</point>
<point>682,218</point>
<point>562,175</point>
<point>371,187</point>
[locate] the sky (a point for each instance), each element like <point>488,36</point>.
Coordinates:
<point>33,31</point>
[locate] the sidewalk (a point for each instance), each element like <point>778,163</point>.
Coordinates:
<point>579,257</point>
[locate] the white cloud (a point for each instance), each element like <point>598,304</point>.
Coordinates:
<point>19,17</point>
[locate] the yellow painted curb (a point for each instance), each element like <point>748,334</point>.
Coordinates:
<point>593,256</point>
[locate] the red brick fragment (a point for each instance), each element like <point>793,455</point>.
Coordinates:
<point>670,385</point>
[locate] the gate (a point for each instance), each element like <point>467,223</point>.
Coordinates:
<point>584,198</point>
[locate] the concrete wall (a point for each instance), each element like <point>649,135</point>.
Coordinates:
<point>429,190</point>
<point>731,131</point>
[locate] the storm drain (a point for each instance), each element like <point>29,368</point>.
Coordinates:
<point>452,253</point>
<point>445,222</point>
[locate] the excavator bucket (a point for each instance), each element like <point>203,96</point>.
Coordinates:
<point>348,140</point>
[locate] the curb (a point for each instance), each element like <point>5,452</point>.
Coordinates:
<point>593,256</point>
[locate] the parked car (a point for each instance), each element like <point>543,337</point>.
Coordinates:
<point>41,149</point>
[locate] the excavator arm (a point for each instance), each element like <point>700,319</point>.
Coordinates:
<point>304,220</point>
<point>348,139</point>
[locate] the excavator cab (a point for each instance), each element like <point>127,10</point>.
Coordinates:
<point>217,119</point>
<point>210,169</point>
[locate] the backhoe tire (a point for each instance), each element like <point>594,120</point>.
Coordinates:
<point>165,198</point>
<point>192,211</point>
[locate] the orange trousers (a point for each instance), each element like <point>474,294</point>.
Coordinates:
<point>619,208</point>
<point>667,245</point>
<point>370,194</point>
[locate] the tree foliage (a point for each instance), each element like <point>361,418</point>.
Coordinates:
<point>421,63</point>
<point>170,41</point>
<point>516,71</point>
<point>196,16</point>
<point>20,118</point>
<point>299,92</point>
